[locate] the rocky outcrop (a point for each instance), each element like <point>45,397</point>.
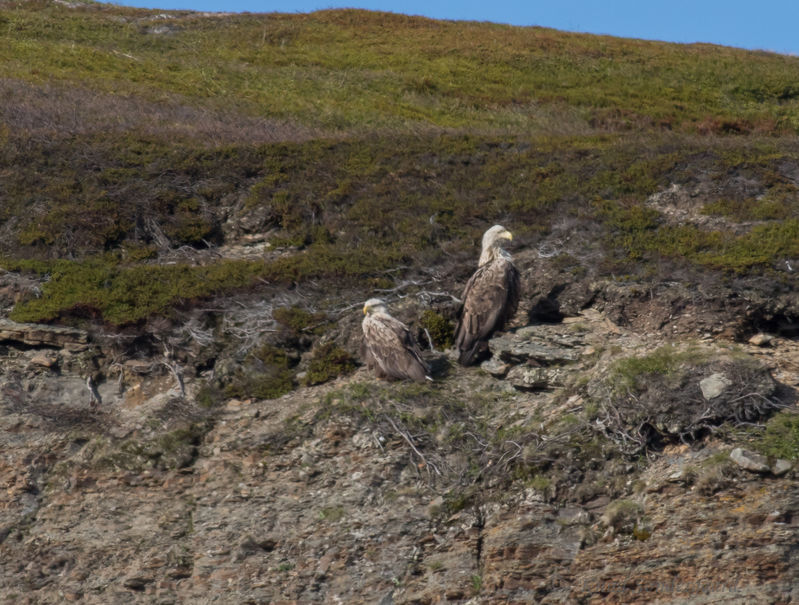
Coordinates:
<point>486,486</point>
<point>536,357</point>
<point>38,335</point>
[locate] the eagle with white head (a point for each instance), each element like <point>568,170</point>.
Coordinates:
<point>490,298</point>
<point>388,346</point>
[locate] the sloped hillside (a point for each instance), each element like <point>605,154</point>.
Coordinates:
<point>193,208</point>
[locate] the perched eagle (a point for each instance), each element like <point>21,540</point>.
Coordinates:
<point>490,298</point>
<point>388,347</point>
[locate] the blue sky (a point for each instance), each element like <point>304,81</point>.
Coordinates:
<point>764,25</point>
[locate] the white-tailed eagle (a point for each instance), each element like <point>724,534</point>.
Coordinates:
<point>388,347</point>
<point>490,298</point>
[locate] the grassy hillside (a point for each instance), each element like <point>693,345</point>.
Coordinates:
<point>359,71</point>
<point>357,142</point>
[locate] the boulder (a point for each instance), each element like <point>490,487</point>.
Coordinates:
<point>780,467</point>
<point>750,460</point>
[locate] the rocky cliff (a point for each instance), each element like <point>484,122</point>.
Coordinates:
<point>193,209</point>
<point>585,462</point>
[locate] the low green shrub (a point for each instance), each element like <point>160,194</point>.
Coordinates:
<point>327,362</point>
<point>438,327</point>
<point>299,321</point>
<point>266,373</point>
<point>781,436</point>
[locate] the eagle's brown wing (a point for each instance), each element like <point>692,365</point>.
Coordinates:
<point>490,300</point>
<point>392,349</point>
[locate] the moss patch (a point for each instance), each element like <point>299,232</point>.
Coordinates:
<point>173,450</point>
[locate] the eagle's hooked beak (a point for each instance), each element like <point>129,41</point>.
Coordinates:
<point>507,235</point>
<point>365,309</point>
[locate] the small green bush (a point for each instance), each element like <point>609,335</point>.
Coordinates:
<point>209,395</point>
<point>328,362</point>
<point>781,437</point>
<point>651,400</point>
<point>439,328</point>
<point>299,321</point>
<point>265,374</point>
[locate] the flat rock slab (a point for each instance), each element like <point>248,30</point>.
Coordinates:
<point>37,335</point>
<point>536,343</point>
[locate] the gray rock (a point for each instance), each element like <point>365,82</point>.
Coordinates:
<point>714,385</point>
<point>780,467</point>
<point>496,367</point>
<point>45,359</point>
<point>531,378</point>
<point>677,475</point>
<point>536,344</point>
<point>573,515</point>
<point>750,460</point>
<point>388,599</point>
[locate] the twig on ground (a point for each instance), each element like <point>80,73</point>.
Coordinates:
<point>404,434</point>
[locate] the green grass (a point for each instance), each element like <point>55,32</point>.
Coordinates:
<point>779,203</point>
<point>640,233</point>
<point>633,373</point>
<point>345,69</point>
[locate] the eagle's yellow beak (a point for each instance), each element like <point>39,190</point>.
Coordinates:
<point>507,235</point>
<point>365,308</point>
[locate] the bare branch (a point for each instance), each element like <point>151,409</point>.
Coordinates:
<point>177,372</point>
<point>409,440</point>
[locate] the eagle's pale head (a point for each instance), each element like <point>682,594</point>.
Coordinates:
<point>374,305</point>
<point>492,243</point>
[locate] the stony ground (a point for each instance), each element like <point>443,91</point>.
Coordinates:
<point>323,495</point>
